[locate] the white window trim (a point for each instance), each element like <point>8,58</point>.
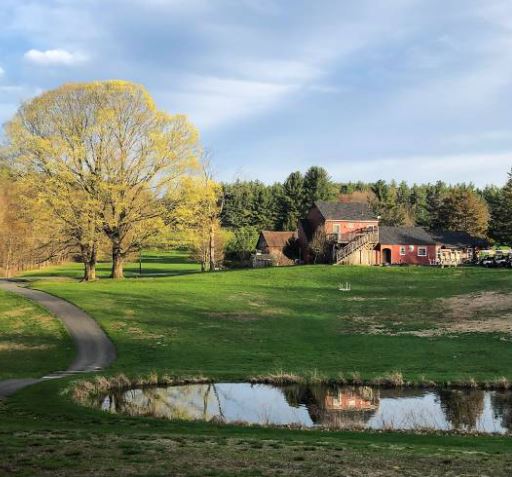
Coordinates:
<point>403,250</point>
<point>424,249</point>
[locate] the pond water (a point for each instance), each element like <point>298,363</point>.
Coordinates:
<point>341,407</point>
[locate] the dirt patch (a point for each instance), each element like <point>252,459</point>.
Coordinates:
<point>139,333</point>
<point>7,347</point>
<point>486,312</point>
<point>464,307</point>
<point>362,298</point>
<point>18,312</point>
<point>238,316</point>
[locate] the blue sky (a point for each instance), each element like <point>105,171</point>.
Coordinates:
<point>407,89</point>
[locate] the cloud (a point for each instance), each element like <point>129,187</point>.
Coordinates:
<point>212,101</point>
<point>2,72</point>
<point>54,57</point>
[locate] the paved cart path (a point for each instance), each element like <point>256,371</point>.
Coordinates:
<point>94,350</point>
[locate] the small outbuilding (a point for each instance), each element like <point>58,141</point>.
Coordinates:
<point>274,244</point>
<point>405,245</point>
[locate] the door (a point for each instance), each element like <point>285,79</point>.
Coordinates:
<point>386,256</point>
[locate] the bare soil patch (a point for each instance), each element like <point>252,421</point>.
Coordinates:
<point>9,346</point>
<point>485,312</point>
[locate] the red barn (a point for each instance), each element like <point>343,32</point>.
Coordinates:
<point>405,245</point>
<point>350,233</point>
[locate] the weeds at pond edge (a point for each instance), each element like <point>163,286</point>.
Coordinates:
<point>89,392</point>
<point>85,391</point>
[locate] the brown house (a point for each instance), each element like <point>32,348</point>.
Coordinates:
<point>272,245</point>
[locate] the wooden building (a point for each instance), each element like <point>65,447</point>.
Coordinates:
<point>350,233</point>
<point>273,244</point>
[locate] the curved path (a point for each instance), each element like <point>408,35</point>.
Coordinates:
<point>94,349</point>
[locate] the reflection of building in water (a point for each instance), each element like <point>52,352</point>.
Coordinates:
<point>462,408</point>
<point>355,399</point>
<point>339,407</point>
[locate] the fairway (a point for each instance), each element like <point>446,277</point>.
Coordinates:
<point>240,324</point>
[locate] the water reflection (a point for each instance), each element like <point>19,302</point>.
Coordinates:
<point>320,406</point>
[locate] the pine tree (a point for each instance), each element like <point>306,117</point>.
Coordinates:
<point>291,201</point>
<point>317,186</point>
<point>502,215</point>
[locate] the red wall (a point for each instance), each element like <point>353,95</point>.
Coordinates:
<point>410,257</point>
<point>347,227</point>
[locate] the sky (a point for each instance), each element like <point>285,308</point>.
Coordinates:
<point>416,90</point>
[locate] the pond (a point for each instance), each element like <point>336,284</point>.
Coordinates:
<point>343,407</point>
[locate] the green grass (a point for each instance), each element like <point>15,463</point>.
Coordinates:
<point>234,325</point>
<point>251,322</point>
<point>42,433</point>
<point>32,342</point>
<point>154,263</point>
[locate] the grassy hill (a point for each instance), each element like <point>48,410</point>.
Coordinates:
<point>441,325</point>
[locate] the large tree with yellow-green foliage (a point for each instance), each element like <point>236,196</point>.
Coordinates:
<point>106,156</point>
<point>194,209</point>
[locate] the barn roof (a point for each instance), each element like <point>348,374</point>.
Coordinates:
<point>345,211</point>
<point>404,236</point>
<point>452,239</point>
<point>277,239</point>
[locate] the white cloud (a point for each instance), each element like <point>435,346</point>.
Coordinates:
<point>54,57</point>
<point>2,72</point>
<point>212,101</point>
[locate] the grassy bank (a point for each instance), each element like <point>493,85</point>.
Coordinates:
<point>43,433</point>
<point>425,323</point>
<point>32,342</point>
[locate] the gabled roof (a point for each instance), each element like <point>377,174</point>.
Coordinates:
<point>451,239</point>
<point>404,236</point>
<point>345,211</point>
<point>277,239</point>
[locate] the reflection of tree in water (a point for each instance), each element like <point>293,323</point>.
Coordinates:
<point>180,402</point>
<point>462,408</point>
<point>502,407</point>
<point>339,407</point>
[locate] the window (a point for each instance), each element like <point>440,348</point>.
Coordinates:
<point>337,233</point>
<point>402,250</point>
<point>422,251</point>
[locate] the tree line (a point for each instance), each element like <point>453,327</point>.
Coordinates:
<point>96,170</point>
<point>485,212</point>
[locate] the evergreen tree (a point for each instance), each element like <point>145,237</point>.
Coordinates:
<point>501,224</point>
<point>292,200</point>
<point>317,186</point>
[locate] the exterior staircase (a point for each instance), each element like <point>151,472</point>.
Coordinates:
<point>368,237</point>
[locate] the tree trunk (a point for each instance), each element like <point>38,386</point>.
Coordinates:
<point>89,258</point>
<point>211,246</point>
<point>117,262</point>
<point>89,271</point>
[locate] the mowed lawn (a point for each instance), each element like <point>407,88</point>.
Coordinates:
<point>32,342</point>
<point>423,322</point>
<point>153,264</point>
